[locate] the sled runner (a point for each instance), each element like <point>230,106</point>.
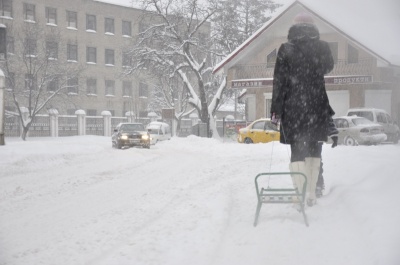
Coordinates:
<point>287,195</point>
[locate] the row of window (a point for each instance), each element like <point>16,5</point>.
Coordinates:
<point>352,54</point>
<point>91,86</point>
<point>30,47</point>
<point>71,18</point>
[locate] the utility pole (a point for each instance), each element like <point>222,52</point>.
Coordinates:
<point>3,56</point>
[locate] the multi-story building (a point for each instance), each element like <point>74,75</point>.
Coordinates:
<point>95,36</point>
<point>367,64</point>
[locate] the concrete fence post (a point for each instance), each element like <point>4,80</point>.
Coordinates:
<point>81,115</point>
<point>107,122</point>
<point>53,113</point>
<point>2,108</point>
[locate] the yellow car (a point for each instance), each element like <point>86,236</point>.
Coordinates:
<point>259,131</point>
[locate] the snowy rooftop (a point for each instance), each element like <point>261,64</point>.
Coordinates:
<point>374,26</point>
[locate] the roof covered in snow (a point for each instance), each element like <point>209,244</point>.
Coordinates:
<point>373,26</point>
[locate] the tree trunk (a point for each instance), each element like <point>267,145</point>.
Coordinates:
<point>24,133</point>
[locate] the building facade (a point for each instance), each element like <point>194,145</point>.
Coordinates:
<point>362,77</point>
<point>95,36</point>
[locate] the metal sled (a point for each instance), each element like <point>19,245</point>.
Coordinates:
<point>268,195</point>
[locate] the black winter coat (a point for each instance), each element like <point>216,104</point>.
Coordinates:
<point>299,97</point>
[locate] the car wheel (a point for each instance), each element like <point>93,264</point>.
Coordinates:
<point>350,141</point>
<point>248,141</point>
<point>119,146</point>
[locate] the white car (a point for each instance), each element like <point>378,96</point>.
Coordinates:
<point>381,117</point>
<point>354,130</point>
<point>159,131</point>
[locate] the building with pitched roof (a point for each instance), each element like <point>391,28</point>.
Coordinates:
<point>364,44</point>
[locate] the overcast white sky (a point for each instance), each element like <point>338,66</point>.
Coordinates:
<point>380,17</point>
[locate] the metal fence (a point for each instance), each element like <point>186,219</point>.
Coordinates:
<point>68,125</point>
<point>40,127</point>
<point>12,127</point>
<point>94,125</point>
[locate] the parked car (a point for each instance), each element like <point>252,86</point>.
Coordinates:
<point>159,131</point>
<point>354,130</point>
<point>381,117</point>
<point>130,134</point>
<point>259,131</point>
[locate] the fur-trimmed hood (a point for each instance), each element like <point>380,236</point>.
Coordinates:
<point>303,32</point>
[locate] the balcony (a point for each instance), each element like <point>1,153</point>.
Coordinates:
<point>342,67</point>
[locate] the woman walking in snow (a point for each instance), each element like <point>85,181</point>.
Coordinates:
<point>300,100</point>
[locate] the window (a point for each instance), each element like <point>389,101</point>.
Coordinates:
<point>10,45</point>
<point>127,89</point>
<point>30,47</point>
<point>109,25</point>
<point>110,88</point>
<point>52,49</point>
<point>91,112</point>
<point>91,86</point>
<point>334,50</point>
<point>126,28</point>
<point>381,118</point>
<point>29,12</point>
<point>259,125</point>
<point>6,8</point>
<point>30,82</point>
<point>126,59</point>
<point>72,52</point>
<point>72,19</point>
<point>52,85</point>
<point>352,54</point>
<point>91,55</point>
<point>341,123</point>
<point>72,84</point>
<point>51,15</point>
<point>143,90</point>
<point>109,57</point>
<point>91,22</point>
<point>271,59</point>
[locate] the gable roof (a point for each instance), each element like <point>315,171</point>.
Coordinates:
<point>373,29</point>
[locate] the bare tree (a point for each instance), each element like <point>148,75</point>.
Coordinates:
<point>175,42</point>
<point>35,74</point>
<point>237,20</point>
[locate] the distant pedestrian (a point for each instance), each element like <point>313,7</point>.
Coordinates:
<point>300,100</point>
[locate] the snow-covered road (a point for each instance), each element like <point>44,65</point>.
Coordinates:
<point>189,201</point>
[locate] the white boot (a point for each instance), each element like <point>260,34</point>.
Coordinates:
<point>313,165</point>
<point>298,180</point>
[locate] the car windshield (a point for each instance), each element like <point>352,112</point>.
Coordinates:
<point>365,114</point>
<point>131,127</point>
<point>361,121</point>
<point>154,127</point>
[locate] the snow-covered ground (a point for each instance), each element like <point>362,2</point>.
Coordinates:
<point>190,201</point>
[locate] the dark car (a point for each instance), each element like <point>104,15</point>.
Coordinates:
<point>130,134</point>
